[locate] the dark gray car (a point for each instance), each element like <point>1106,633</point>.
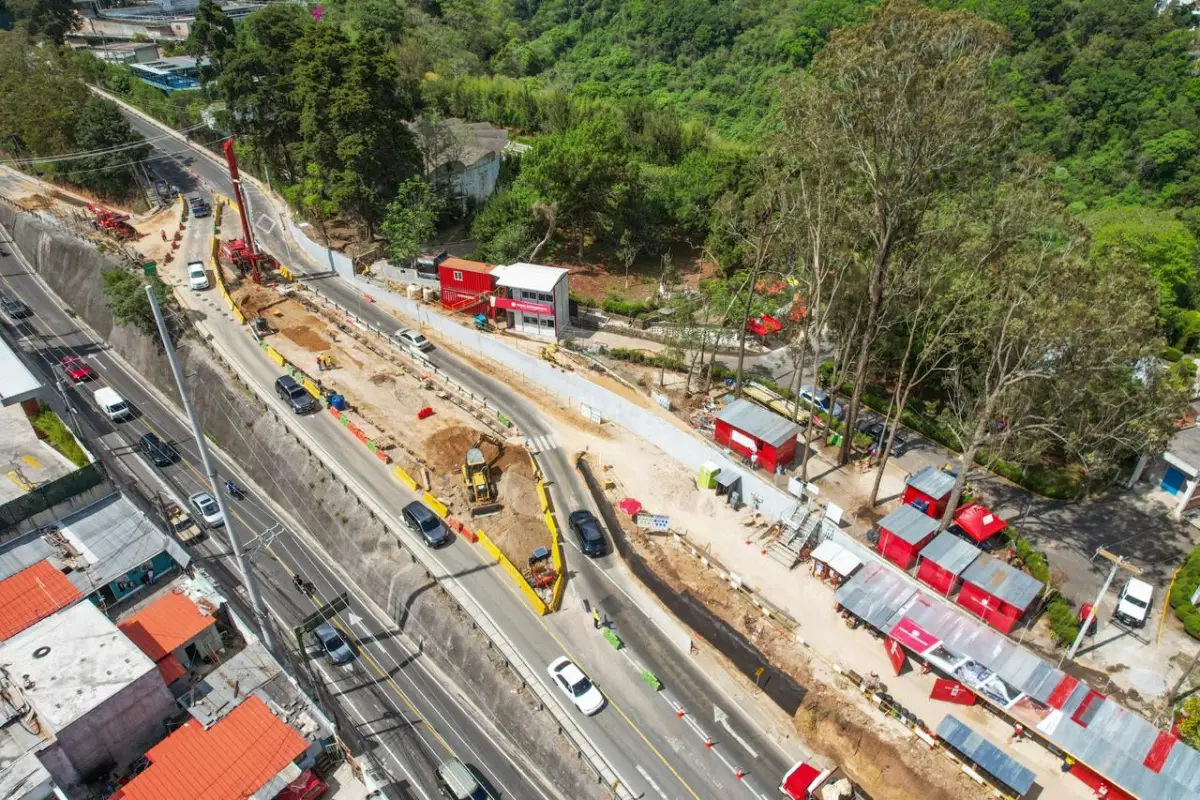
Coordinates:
<point>333,644</point>
<point>14,307</point>
<point>158,451</point>
<point>879,436</point>
<point>425,523</point>
<point>296,395</point>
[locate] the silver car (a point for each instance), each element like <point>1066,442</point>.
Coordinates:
<point>207,508</point>
<point>819,399</point>
<point>412,340</point>
<point>333,644</point>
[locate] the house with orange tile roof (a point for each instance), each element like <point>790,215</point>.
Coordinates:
<point>31,595</point>
<point>174,633</point>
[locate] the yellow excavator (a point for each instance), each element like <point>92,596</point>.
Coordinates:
<point>477,475</point>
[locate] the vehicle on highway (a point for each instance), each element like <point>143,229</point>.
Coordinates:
<point>13,307</point>
<point>879,432</point>
<point>1133,603</point>
<point>375,779</point>
<point>200,206</point>
<point>207,508</point>
<point>455,782</point>
<point>587,528</point>
<point>425,524</point>
<point>819,398</point>
<point>112,404</point>
<point>295,395</point>
<point>77,369</point>
<point>412,341</point>
<point>197,275</point>
<point>158,451</point>
<point>335,647</point>
<point>570,678</point>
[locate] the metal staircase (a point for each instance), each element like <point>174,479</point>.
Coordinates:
<point>800,533</point>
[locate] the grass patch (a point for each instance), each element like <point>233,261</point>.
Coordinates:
<point>59,436</point>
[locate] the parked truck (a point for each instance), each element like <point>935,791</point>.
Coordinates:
<point>804,781</point>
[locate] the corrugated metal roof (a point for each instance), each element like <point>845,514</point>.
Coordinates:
<point>24,551</point>
<point>932,481</point>
<point>531,277</point>
<point>908,524</point>
<point>989,757</point>
<point>760,423</point>
<point>874,593</point>
<point>950,552</point>
<point>33,594</point>
<point>1000,580</point>
<point>165,625</point>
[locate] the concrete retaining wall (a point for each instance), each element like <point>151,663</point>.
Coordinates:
<point>235,418</point>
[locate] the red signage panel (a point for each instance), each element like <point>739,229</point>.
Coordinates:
<point>524,306</point>
<point>896,654</point>
<point>952,692</point>
<point>913,636</point>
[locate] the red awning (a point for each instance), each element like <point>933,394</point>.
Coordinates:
<point>978,521</point>
<point>307,787</point>
<point>630,506</point>
<point>896,654</point>
<point>913,636</point>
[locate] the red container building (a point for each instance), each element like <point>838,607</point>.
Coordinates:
<point>928,489</point>
<point>981,525</point>
<point>903,533</point>
<point>465,285</point>
<point>997,593</point>
<point>943,561</point>
<point>748,429</point>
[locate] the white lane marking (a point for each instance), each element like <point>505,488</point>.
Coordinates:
<point>650,781</point>
<point>722,719</point>
<point>95,360</point>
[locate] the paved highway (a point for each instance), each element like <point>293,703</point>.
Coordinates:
<point>655,752</point>
<point>405,710</point>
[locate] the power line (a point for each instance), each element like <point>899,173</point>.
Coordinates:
<point>102,151</point>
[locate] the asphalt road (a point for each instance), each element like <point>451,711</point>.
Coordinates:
<point>407,713</point>
<point>655,752</point>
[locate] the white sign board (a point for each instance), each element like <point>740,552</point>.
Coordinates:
<point>796,487</point>
<point>660,522</point>
<point>590,413</point>
<point>743,440</point>
<point>661,399</point>
<point>834,514</point>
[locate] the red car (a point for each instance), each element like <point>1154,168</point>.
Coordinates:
<point>77,369</point>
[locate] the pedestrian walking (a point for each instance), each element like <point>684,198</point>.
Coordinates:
<point>596,618</point>
<point>163,234</point>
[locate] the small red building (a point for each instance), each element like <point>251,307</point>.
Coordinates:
<point>903,533</point>
<point>753,432</point>
<point>465,285</point>
<point>981,525</point>
<point>928,490</point>
<point>997,593</point>
<point>943,561</point>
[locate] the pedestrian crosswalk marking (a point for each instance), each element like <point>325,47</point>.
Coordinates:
<point>540,444</point>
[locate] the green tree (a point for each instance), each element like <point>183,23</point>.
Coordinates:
<point>211,37</point>
<point>410,221</point>
<point>102,126</point>
<point>125,294</point>
<point>45,19</point>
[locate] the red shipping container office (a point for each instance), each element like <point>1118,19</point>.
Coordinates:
<point>903,533</point>
<point>997,593</point>
<point>943,561</point>
<point>747,428</point>
<point>928,490</point>
<point>465,285</point>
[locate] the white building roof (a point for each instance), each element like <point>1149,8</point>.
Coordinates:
<point>531,277</point>
<point>17,383</point>
<point>76,660</point>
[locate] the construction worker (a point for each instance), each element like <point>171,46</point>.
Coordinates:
<point>163,234</point>
<point>596,618</point>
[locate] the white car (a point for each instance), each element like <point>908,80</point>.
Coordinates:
<point>819,398</point>
<point>197,276</point>
<point>411,340</point>
<point>570,678</point>
<point>1133,603</point>
<point>207,508</point>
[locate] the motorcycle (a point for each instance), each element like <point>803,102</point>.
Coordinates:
<point>234,491</point>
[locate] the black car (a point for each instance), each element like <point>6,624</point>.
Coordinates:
<point>14,307</point>
<point>158,451</point>
<point>879,433</point>
<point>200,207</point>
<point>425,523</point>
<point>296,395</point>
<point>587,528</point>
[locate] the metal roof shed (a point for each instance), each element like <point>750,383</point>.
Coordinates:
<point>943,561</point>
<point>747,428</point>
<point>929,490</point>
<point>985,755</point>
<point>903,533</point>
<point>998,593</point>
<point>874,594</point>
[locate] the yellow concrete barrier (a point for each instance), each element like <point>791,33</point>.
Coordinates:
<point>556,553</point>
<point>275,356</point>
<point>543,497</point>
<point>539,605</point>
<point>405,478</point>
<point>435,505</point>
<point>286,273</point>
<point>311,388</point>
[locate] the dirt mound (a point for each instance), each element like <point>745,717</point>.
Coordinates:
<point>380,378</point>
<point>519,493</point>
<point>307,337</point>
<point>445,449</point>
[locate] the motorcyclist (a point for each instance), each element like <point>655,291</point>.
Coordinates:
<point>232,488</point>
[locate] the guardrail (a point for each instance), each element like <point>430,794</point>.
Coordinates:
<point>214,263</point>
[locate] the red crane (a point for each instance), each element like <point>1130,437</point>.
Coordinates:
<point>241,252</point>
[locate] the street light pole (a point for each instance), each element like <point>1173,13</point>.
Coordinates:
<point>248,580</point>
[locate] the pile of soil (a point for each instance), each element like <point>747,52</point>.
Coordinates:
<point>445,449</point>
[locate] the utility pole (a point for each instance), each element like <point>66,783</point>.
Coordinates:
<point>248,580</point>
<point>1118,562</point>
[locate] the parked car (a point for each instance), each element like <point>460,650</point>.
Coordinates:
<point>13,307</point>
<point>333,644</point>
<point>412,340</point>
<point>879,432</point>
<point>296,396</point>
<point>158,451</point>
<point>575,685</point>
<point>77,369</point>
<point>455,781</point>
<point>425,524</point>
<point>200,206</point>
<point>587,528</point>
<point>819,398</point>
<point>197,275</point>
<point>207,508</point>
<point>1133,603</point>
<point>991,544</point>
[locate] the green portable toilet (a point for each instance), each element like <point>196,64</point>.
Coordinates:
<point>708,475</point>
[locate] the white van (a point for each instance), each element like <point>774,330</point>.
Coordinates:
<point>1133,603</point>
<point>197,276</point>
<point>112,404</point>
